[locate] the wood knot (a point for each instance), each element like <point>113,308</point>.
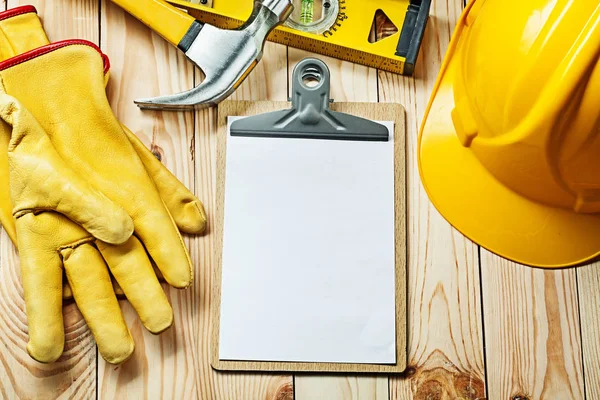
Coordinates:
<point>157,151</point>
<point>285,392</point>
<point>431,389</point>
<point>440,384</point>
<point>409,371</point>
<point>469,386</point>
<point>520,397</point>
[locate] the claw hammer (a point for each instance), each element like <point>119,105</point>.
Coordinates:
<point>225,56</point>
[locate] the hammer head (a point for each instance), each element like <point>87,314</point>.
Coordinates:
<point>225,56</point>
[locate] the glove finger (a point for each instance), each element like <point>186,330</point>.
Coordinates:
<point>133,271</point>
<point>67,292</point>
<point>93,293</point>
<point>8,223</point>
<point>118,291</point>
<point>187,211</point>
<point>20,31</point>
<point>42,273</point>
<point>6,218</point>
<point>163,242</point>
<point>42,180</point>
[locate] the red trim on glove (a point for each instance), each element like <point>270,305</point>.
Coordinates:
<point>106,63</point>
<point>21,58</point>
<point>13,12</point>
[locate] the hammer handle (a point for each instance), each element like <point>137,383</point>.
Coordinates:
<point>166,20</point>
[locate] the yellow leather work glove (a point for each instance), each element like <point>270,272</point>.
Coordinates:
<point>21,31</point>
<point>92,142</point>
<point>163,180</point>
<point>46,193</point>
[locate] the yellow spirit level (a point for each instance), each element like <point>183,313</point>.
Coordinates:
<point>344,29</point>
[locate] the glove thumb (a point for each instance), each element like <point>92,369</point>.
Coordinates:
<point>185,208</point>
<point>40,180</point>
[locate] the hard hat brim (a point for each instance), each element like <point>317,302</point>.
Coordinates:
<point>483,209</point>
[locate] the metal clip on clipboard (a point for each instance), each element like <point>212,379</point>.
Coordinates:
<point>310,116</point>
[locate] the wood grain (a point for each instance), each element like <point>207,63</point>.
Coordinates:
<point>532,331</point>
<point>445,336</point>
<point>144,65</point>
<point>323,387</point>
<point>66,19</point>
<point>381,112</point>
<point>268,80</point>
<point>588,279</point>
<point>74,374</point>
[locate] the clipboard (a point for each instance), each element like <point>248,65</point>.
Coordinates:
<point>313,115</point>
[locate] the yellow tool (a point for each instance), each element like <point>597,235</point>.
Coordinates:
<point>225,56</point>
<point>336,28</point>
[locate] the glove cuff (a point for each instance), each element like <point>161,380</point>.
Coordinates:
<point>40,51</point>
<point>13,12</point>
<point>20,31</point>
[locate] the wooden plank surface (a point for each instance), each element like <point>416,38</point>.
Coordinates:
<point>588,280</point>
<point>349,387</point>
<point>74,374</point>
<point>541,327</point>
<point>144,65</point>
<point>445,329</point>
<point>532,332</point>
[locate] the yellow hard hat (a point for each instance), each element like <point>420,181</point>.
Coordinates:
<point>509,148</point>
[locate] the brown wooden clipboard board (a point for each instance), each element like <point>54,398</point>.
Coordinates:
<point>372,111</point>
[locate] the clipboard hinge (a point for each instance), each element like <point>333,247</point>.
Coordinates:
<point>310,116</point>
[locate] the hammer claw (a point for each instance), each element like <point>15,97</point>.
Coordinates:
<point>225,56</point>
<point>207,94</point>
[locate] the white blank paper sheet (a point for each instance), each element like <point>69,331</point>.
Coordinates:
<point>308,270</point>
